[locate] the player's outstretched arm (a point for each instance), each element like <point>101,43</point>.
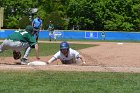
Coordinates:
<point>51,60</point>
<point>82,59</point>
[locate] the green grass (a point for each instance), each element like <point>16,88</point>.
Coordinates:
<point>68,82</point>
<point>47,49</point>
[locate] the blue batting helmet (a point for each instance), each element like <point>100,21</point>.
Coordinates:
<point>64,45</point>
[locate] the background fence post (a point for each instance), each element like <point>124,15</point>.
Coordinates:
<point>1,16</point>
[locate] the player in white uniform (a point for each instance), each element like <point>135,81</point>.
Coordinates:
<point>67,55</point>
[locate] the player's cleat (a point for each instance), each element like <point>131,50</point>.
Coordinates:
<point>23,61</point>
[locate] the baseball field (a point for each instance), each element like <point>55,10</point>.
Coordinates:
<point>112,67</point>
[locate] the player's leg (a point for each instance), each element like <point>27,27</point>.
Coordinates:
<point>13,45</point>
<point>22,46</point>
<point>18,46</point>
<point>49,35</point>
<point>26,54</point>
<point>9,44</point>
<point>37,35</point>
<point>54,35</point>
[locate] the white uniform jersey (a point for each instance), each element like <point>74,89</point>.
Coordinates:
<point>73,55</point>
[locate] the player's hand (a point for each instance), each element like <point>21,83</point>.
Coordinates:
<point>84,63</point>
<point>47,62</point>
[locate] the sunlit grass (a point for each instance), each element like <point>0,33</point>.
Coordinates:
<point>48,49</point>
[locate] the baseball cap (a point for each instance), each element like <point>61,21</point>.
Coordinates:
<point>29,28</point>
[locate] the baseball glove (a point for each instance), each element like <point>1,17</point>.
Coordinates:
<point>16,55</point>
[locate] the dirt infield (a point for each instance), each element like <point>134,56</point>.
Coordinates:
<point>107,57</point>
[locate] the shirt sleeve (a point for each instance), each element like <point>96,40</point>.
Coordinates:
<point>76,54</point>
<point>57,55</point>
<point>52,60</point>
<point>31,40</point>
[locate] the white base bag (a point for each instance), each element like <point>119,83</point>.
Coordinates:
<point>37,63</point>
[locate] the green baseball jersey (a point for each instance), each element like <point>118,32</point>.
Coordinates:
<point>23,36</point>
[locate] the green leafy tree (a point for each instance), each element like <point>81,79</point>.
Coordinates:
<point>122,15</point>
<point>55,11</point>
<point>15,10</point>
<point>86,14</point>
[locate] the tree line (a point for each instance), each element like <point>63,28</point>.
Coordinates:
<point>107,15</point>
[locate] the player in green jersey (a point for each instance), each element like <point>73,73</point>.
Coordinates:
<point>51,31</point>
<point>19,40</point>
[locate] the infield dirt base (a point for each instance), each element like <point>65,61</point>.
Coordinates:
<point>106,57</point>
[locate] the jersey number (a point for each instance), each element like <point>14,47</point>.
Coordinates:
<point>22,32</point>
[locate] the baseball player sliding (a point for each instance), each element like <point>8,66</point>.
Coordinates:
<point>67,55</point>
<point>19,40</point>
